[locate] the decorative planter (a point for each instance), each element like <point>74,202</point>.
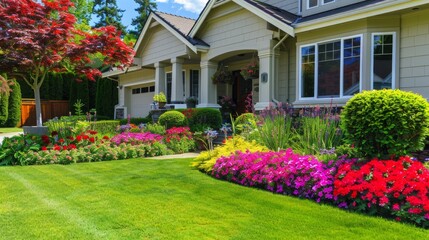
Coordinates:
<point>35,130</point>
<point>161,104</point>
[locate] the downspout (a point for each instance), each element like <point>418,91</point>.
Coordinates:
<point>273,61</point>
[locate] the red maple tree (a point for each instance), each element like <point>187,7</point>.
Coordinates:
<point>38,38</point>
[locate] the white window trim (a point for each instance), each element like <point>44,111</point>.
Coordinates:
<point>323,2</point>
<point>308,4</point>
<point>393,57</point>
<point>316,68</point>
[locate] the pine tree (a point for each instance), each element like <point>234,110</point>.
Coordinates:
<point>14,108</point>
<point>144,9</point>
<point>108,13</point>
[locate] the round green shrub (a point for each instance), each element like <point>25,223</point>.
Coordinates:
<point>205,116</point>
<point>383,123</point>
<point>173,119</point>
<point>245,119</point>
<point>14,116</point>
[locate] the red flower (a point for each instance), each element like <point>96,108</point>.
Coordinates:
<point>57,148</point>
<point>64,147</point>
<point>106,138</point>
<point>79,138</point>
<point>72,146</point>
<point>91,139</point>
<point>44,148</point>
<point>54,133</point>
<point>61,140</point>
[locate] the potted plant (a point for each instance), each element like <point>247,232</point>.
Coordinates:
<point>191,102</point>
<point>251,70</point>
<point>161,99</point>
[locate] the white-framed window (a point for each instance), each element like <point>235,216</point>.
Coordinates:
<point>312,3</point>
<point>169,84</point>
<point>383,60</point>
<point>327,1</point>
<point>331,69</point>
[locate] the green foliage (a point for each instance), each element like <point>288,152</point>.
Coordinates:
<point>245,123</point>
<point>79,90</point>
<point>317,134</point>
<point>205,116</point>
<point>143,11</point>
<point>135,121</point>
<point>63,127</point>
<point>276,132</point>
<point>207,159</point>
<point>172,119</point>
<point>4,108</point>
<point>155,128</point>
<point>105,127</point>
<point>107,97</point>
<point>108,13</point>
<point>12,147</point>
<point>78,107</point>
<point>160,97</point>
<point>14,114</point>
<point>382,123</point>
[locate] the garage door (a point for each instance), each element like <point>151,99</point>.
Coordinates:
<point>141,99</point>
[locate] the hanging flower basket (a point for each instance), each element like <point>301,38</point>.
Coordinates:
<point>251,70</point>
<point>222,75</point>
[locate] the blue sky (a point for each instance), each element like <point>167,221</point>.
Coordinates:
<point>186,8</point>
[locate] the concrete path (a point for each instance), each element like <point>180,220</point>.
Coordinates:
<point>4,135</point>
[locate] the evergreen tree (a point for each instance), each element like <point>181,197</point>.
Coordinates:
<point>144,9</point>
<point>4,108</point>
<point>82,10</point>
<point>108,13</point>
<point>14,111</point>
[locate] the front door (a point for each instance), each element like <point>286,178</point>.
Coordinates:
<point>241,89</point>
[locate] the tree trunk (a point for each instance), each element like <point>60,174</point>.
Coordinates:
<point>38,106</point>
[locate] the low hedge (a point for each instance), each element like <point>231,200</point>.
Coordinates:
<point>136,121</point>
<point>209,117</point>
<point>104,127</point>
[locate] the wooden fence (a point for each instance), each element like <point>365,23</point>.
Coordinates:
<point>50,109</point>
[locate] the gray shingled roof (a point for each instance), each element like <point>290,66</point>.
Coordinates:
<point>347,8</point>
<point>182,25</point>
<point>282,15</point>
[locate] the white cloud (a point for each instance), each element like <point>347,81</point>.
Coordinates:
<point>161,1</point>
<point>195,6</point>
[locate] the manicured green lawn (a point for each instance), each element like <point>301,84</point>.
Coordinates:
<point>166,199</point>
<point>10,130</point>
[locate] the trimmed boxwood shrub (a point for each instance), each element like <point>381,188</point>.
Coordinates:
<point>172,119</point>
<point>104,127</point>
<point>14,115</point>
<point>205,116</point>
<point>383,123</point>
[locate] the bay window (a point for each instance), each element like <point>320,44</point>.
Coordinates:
<point>331,69</point>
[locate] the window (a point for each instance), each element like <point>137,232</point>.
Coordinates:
<point>194,83</point>
<point>331,69</point>
<point>145,89</point>
<point>312,3</point>
<point>136,91</point>
<point>382,64</point>
<point>169,80</point>
<point>327,1</point>
<point>152,89</point>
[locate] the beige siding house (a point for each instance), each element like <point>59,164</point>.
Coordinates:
<point>310,52</point>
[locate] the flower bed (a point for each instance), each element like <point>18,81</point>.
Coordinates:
<point>136,138</point>
<point>391,188</point>
<point>179,139</point>
<point>282,172</point>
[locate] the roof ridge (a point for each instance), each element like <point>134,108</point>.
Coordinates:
<point>175,15</point>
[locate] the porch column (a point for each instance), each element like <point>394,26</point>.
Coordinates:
<point>159,77</point>
<point>266,83</point>
<point>208,90</point>
<point>121,95</point>
<point>177,81</point>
